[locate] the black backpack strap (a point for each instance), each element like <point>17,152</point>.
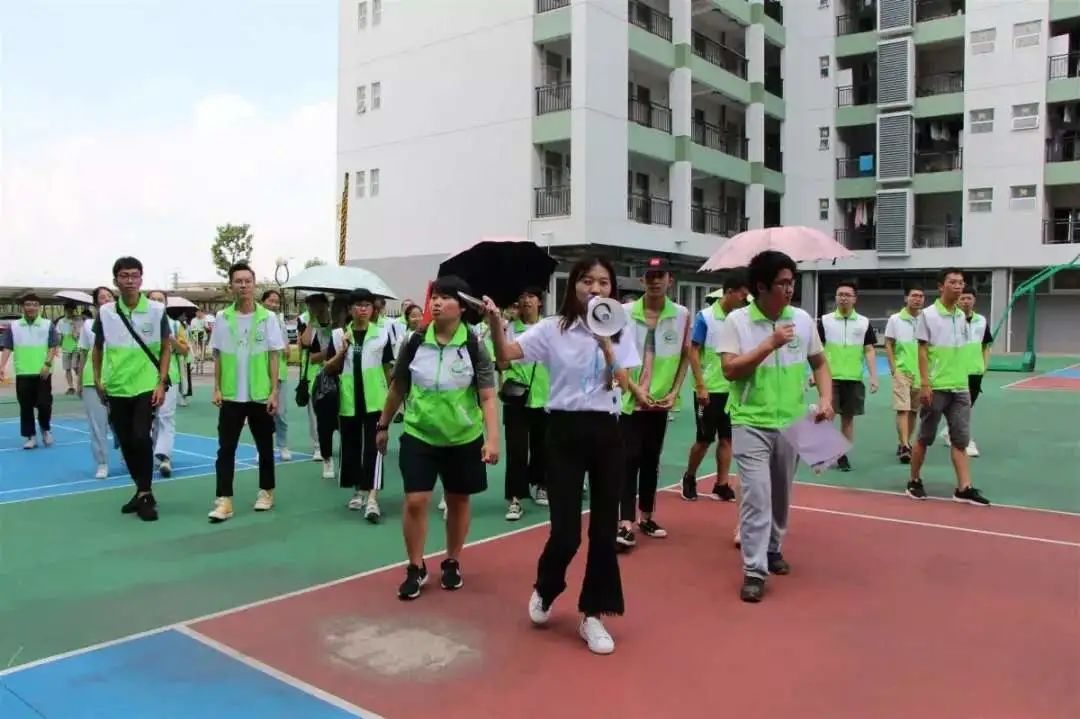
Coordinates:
<point>472,346</point>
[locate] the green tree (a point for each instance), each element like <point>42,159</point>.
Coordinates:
<point>314,262</point>
<point>232,244</point>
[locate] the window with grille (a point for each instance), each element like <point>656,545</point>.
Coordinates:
<point>982,41</point>
<point>1023,197</point>
<point>375,182</point>
<point>361,100</point>
<point>376,12</point>
<point>823,61</point>
<point>823,138</point>
<point>361,15</point>
<point>981,120</point>
<point>360,176</point>
<point>823,208</point>
<point>1027,34</point>
<point>980,199</point>
<point>376,95</point>
<point>1025,117</point>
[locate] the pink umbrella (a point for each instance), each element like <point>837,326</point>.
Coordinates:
<point>802,244</point>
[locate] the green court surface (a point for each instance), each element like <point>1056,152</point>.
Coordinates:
<point>74,571</point>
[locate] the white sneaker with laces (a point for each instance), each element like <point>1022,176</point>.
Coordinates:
<point>541,497</point>
<point>30,443</point>
<point>102,472</point>
<point>972,449</point>
<point>264,501</point>
<point>222,510</point>
<point>316,456</point>
<point>286,455</point>
<point>372,513</point>
<point>442,507</point>
<point>328,469</point>
<point>358,500</point>
<point>537,614</point>
<point>47,438</point>
<point>514,511</point>
<point>596,636</point>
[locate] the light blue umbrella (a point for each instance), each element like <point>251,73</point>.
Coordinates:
<point>339,278</point>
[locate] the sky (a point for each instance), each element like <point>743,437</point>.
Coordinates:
<point>139,126</point>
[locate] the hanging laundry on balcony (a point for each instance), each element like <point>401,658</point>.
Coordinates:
<point>866,164</point>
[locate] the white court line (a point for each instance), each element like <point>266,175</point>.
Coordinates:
<point>56,444</point>
<point>1038,376</point>
<point>277,674</point>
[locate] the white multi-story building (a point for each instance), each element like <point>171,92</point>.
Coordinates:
<point>645,127</point>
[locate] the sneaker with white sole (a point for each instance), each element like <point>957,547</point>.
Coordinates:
<point>443,508</point>
<point>286,455</point>
<point>316,456</point>
<point>264,500</point>
<point>972,449</point>
<point>596,636</point>
<point>538,613</point>
<point>514,511</point>
<point>358,500</point>
<point>30,443</point>
<point>165,467</point>
<point>328,469</point>
<point>541,497</point>
<point>102,472</point>
<point>371,511</point>
<point>222,510</point>
<point>47,439</point>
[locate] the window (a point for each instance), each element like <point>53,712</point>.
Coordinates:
<point>824,62</point>
<point>376,12</point>
<point>981,120</point>
<point>1025,117</point>
<point>360,183</point>
<point>823,138</point>
<point>1022,197</point>
<point>375,182</point>
<point>361,100</point>
<point>1027,34</point>
<point>980,199</point>
<point>982,41</point>
<point>361,15</point>
<point>822,4</point>
<point>376,95</point>
<point>823,209</point>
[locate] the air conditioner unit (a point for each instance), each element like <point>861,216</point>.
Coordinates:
<point>982,48</point>
<point>1026,41</point>
<point>1025,123</point>
<point>1023,203</point>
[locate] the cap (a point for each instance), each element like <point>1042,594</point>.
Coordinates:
<point>657,264</point>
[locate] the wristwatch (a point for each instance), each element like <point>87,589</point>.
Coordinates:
<point>382,428</point>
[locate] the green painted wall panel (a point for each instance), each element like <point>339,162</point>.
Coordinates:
<point>720,79</point>
<point>719,164</point>
<point>773,181</point>
<point>552,25</point>
<point>946,28</point>
<point>851,188</point>
<point>655,48</point>
<point>651,143</point>
<point>929,183</point>
<point>1064,89</point>
<point>1063,173</point>
<point>1064,9</point>
<point>938,105</point>
<point>774,31</point>
<point>738,10</point>
<point>856,115</point>
<point>775,106</point>
<point>860,43</point>
<point>551,126</point>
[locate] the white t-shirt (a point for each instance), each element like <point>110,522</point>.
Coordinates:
<point>222,339</point>
<point>576,365</point>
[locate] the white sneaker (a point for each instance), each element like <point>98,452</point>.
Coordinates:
<point>358,500</point>
<point>286,455</point>
<point>222,510</point>
<point>371,511</point>
<point>30,443</point>
<point>596,636</point>
<point>264,501</point>
<point>47,438</point>
<point>328,469</point>
<point>514,511</point>
<point>442,507</point>
<point>537,613</point>
<point>541,497</point>
<point>972,449</point>
<point>102,472</point>
<point>316,456</point>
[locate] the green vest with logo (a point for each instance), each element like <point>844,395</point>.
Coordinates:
<point>443,407</point>
<point>947,335</point>
<point>844,348</point>
<point>257,348</point>
<point>905,347</point>
<point>31,342</point>
<point>126,370</point>
<point>973,350</point>
<point>711,369</point>
<point>773,397</point>
<point>670,336</point>
<point>372,371</point>
<point>528,373</point>
<point>68,341</point>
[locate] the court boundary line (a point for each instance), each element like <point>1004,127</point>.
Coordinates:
<point>1037,376</point>
<point>276,674</point>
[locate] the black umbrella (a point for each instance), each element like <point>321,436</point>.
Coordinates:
<point>501,268</point>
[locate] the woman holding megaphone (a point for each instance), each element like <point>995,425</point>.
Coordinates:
<point>588,374</point>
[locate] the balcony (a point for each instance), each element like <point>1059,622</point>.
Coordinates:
<point>926,10</point>
<point>650,20</point>
<point>650,114</point>
<point>711,136</point>
<point>775,10</point>
<point>1064,148</point>
<point>852,167</point>
<point>711,221</point>
<point>549,5</point>
<point>552,98</point>
<point>774,83</point>
<point>552,201</point>
<point>941,83</point>
<point>855,24</point>
<point>1061,232</point>
<point>649,210</point>
<point>774,157</point>
<point>925,237</point>
<point>1062,67</point>
<point>859,238</point>
<point>855,95</point>
<point>719,55</point>
<point>938,161</point>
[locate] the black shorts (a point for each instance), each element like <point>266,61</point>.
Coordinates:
<point>460,467</point>
<point>849,397</point>
<point>713,421</point>
<point>974,387</point>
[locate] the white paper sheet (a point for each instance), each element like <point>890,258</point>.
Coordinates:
<point>819,444</point>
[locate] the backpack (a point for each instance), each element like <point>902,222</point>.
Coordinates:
<point>472,346</point>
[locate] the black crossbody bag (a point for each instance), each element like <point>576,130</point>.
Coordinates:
<point>516,394</point>
<point>138,340</point>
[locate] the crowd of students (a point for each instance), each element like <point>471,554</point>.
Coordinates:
<point>574,405</point>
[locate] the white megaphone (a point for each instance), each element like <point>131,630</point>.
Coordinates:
<point>605,317</point>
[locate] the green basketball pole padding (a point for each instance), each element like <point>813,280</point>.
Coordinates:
<point>1025,362</point>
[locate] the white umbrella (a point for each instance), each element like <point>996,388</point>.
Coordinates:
<point>180,303</point>
<point>77,296</point>
<point>340,278</point>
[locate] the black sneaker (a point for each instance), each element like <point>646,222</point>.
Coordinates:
<point>415,577</point>
<point>625,537</point>
<point>905,455</point>
<point>689,487</point>
<point>899,449</point>
<point>777,564</point>
<point>651,529</point>
<point>971,496</point>
<point>722,492</point>
<point>132,505</point>
<point>915,489</point>
<point>451,574</point>
<point>843,464</point>
<point>753,589</point>
<point>147,508</point>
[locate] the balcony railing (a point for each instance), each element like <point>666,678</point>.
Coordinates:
<point>936,236</point>
<point>1061,67</point>
<point>1064,148</point>
<point>711,221</point>
<point>849,167</point>
<point>649,210</point>
<point>650,19</point>
<point>719,55</point>
<point>774,83</point>
<point>775,10</point>
<point>852,24</point>
<point>552,201</point>
<point>855,95</point>
<point>934,9</point>
<point>650,114</point>
<point>774,158</point>
<point>552,98</point>
<point>548,5</point>
<point>713,137</point>
<point>940,83</point>
<point>938,161</point>
<point>858,238</point>
<point>1061,232</point>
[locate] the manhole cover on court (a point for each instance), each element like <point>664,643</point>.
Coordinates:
<point>422,648</point>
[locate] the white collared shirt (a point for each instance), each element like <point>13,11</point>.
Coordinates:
<point>576,365</point>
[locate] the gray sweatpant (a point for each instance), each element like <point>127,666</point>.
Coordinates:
<point>97,417</point>
<point>766,463</point>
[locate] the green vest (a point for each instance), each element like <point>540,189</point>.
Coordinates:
<point>126,370</point>
<point>844,348</point>
<point>901,329</point>
<point>773,397</point>
<point>712,369</point>
<point>323,335</point>
<point>528,373</point>
<point>946,335</point>
<point>174,361</point>
<point>372,371</point>
<point>86,342</point>
<point>68,341</point>
<point>670,336</point>
<point>973,350</point>
<point>443,408</point>
<point>257,349</point>
<point>31,342</point>
<point>283,358</point>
